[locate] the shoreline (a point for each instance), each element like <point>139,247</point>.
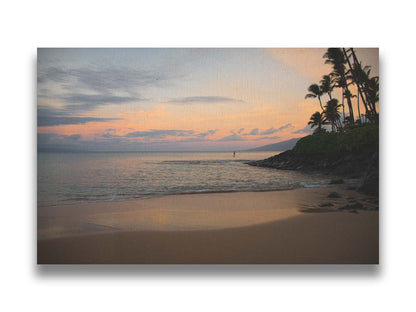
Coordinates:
<point>299,185</point>
<point>238,227</point>
<point>289,188</point>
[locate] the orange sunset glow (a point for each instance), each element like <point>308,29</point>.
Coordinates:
<point>177,99</point>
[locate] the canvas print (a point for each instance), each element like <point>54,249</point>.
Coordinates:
<point>208,156</point>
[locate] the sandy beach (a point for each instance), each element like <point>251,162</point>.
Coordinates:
<point>244,227</point>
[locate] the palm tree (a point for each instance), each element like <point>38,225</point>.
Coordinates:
<point>373,94</point>
<point>332,114</point>
<point>348,120</point>
<point>374,89</point>
<point>370,87</point>
<point>315,92</point>
<point>327,85</point>
<point>366,86</point>
<point>335,57</point>
<point>318,120</point>
<point>359,75</point>
<point>359,121</point>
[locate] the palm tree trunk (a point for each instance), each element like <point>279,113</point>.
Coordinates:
<point>367,103</point>
<point>353,74</point>
<point>350,105</point>
<point>320,103</point>
<point>343,107</point>
<point>358,106</point>
<point>340,125</point>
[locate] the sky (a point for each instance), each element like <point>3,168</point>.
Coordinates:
<point>190,99</point>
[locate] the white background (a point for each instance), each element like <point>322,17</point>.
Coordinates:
<point>26,25</point>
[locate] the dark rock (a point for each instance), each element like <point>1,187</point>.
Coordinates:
<point>353,211</point>
<point>336,181</point>
<point>358,205</point>
<point>313,210</point>
<point>371,200</point>
<point>348,157</point>
<point>354,206</point>
<point>334,195</point>
<point>346,164</point>
<point>351,188</point>
<point>326,204</point>
<point>370,182</point>
<point>360,164</point>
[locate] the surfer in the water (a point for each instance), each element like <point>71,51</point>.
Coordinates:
<point>233,154</point>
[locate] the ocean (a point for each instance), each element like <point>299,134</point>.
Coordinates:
<point>68,178</point>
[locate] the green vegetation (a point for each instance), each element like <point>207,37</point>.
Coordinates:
<point>357,138</point>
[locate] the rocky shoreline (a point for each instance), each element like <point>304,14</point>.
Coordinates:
<point>363,165</point>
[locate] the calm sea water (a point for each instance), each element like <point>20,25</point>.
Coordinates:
<point>66,178</point>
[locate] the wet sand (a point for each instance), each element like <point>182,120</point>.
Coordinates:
<point>248,227</point>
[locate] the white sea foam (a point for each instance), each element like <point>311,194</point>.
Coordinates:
<point>72,177</point>
<point>306,185</point>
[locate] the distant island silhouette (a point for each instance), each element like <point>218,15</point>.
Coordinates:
<point>276,147</point>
